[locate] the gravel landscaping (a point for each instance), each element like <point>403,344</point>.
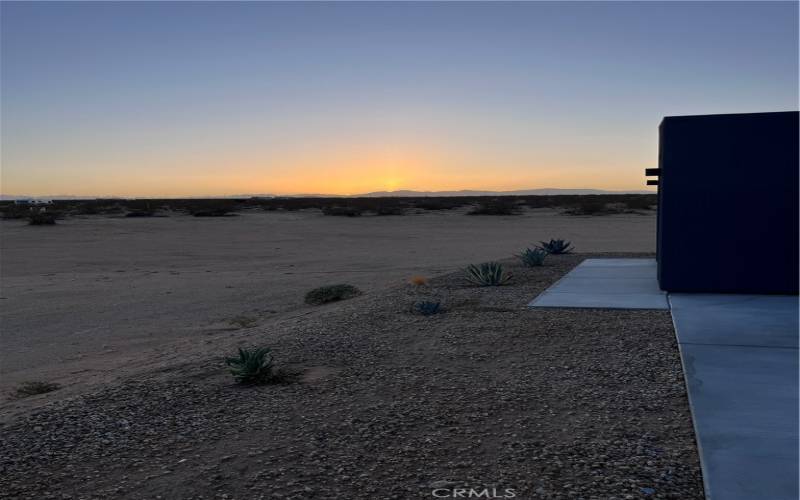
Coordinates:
<point>553,404</point>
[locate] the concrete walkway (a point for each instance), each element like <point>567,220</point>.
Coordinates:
<point>740,361</point>
<point>607,284</point>
<point>739,355</point>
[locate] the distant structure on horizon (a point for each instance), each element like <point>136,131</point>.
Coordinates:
<point>728,203</point>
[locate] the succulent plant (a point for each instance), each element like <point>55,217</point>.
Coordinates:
<point>427,307</point>
<point>252,366</point>
<point>487,274</point>
<point>556,247</point>
<point>533,257</point>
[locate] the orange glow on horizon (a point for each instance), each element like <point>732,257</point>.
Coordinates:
<point>337,170</point>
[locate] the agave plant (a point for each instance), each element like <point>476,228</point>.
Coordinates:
<point>487,274</point>
<point>253,366</point>
<point>427,307</point>
<point>556,247</point>
<point>533,257</point>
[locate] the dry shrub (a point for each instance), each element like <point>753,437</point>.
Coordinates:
<point>27,389</point>
<point>331,293</point>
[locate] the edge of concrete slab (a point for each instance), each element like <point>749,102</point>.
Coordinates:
<point>632,301</point>
<point>700,455</point>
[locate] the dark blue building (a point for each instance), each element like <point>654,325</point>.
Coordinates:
<point>728,203</point>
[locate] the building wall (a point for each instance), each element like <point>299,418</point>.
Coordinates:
<point>728,203</point>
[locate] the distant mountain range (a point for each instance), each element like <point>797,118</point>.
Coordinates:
<point>374,194</point>
<point>11,197</point>
<point>519,192</point>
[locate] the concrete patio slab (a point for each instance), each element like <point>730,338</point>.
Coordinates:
<point>755,320</point>
<point>600,285</point>
<point>739,354</point>
<point>607,284</point>
<point>625,262</point>
<point>614,272</point>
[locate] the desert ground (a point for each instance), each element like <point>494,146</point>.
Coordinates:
<point>94,296</point>
<point>380,402</point>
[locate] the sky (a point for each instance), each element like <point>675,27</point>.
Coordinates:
<point>157,99</point>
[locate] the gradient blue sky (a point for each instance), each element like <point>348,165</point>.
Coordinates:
<point>177,99</point>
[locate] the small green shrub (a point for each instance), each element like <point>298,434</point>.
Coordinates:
<point>591,206</point>
<point>381,210</point>
<point>533,257</point>
<point>141,210</point>
<point>427,307</point>
<point>487,274</point>
<point>447,203</point>
<point>331,293</point>
<point>498,206</point>
<point>252,366</point>
<point>217,212</point>
<point>96,207</point>
<point>10,211</point>
<point>601,206</point>
<point>140,213</point>
<point>642,202</point>
<point>342,211</point>
<point>41,218</point>
<point>556,247</point>
<point>27,389</point>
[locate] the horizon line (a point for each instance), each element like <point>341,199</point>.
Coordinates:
<point>387,193</point>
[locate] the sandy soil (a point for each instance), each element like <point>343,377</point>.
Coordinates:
<point>554,404</point>
<point>95,298</point>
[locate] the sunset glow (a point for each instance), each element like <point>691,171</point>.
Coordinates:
<point>200,99</point>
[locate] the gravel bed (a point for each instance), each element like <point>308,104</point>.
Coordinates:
<point>572,404</point>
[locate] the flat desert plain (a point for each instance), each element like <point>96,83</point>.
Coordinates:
<point>95,297</point>
<point>133,317</point>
